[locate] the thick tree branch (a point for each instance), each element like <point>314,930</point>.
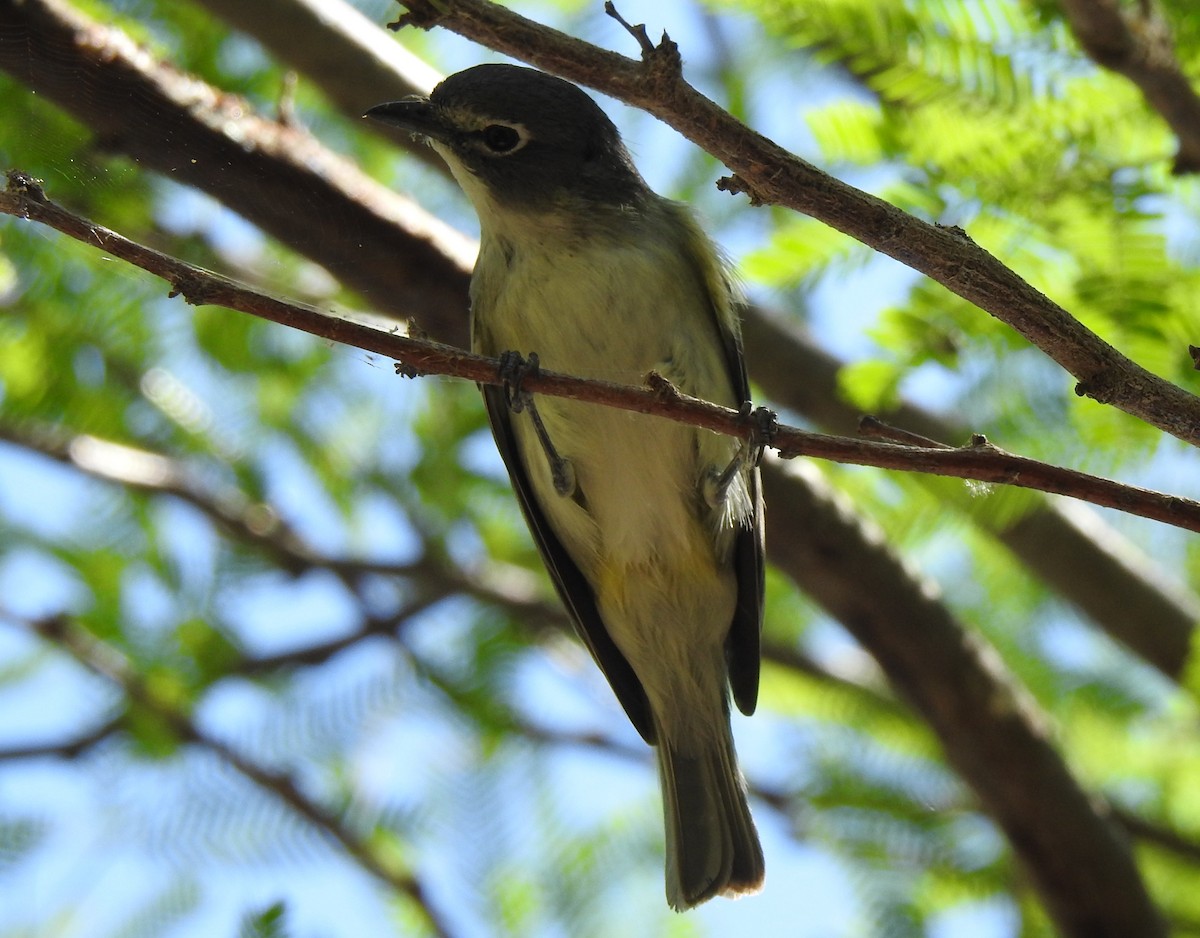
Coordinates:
<point>1134,40</point>
<point>199,136</point>
<point>980,461</point>
<point>770,174</point>
<point>992,731</point>
<point>107,661</point>
<point>348,56</point>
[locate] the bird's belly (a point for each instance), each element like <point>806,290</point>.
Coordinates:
<point>615,315</point>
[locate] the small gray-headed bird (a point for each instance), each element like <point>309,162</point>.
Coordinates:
<point>651,530</point>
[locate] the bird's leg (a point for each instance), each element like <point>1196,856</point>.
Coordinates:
<point>763,424</point>
<point>513,370</point>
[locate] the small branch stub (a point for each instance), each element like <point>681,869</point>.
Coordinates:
<point>1098,387</point>
<point>663,60</point>
<point>663,389</point>
<point>423,14</point>
<point>638,32</point>
<point>736,185</point>
<point>25,187</point>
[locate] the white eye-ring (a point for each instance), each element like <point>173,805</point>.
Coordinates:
<point>503,139</point>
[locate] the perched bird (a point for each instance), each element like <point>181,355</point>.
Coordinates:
<point>651,530</point>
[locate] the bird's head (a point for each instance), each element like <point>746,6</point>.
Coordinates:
<point>519,140</point>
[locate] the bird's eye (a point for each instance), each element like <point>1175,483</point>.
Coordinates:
<point>500,138</point>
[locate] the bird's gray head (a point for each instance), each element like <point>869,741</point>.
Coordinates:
<point>523,139</point>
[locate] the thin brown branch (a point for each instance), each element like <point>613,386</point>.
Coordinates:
<point>876,694</point>
<point>871,426</point>
<point>789,803</point>
<point>980,461</point>
<point>771,175</point>
<point>1158,835</point>
<point>1134,40</point>
<point>71,748</point>
<point>107,661</point>
<point>260,526</point>
<point>319,653</point>
<point>248,521</point>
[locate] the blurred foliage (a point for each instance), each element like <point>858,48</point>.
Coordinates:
<point>397,665</point>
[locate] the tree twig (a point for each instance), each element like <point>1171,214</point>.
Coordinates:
<point>1186,848</point>
<point>980,461</point>
<point>71,748</point>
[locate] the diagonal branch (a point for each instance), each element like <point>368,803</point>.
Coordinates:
<point>770,174</point>
<point>1134,40</point>
<point>992,731</point>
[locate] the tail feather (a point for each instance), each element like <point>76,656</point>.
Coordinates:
<point>712,844</point>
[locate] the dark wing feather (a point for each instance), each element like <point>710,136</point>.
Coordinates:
<point>573,588</point>
<point>743,645</point>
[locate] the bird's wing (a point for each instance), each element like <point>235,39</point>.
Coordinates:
<point>572,587</point>
<point>743,645</point>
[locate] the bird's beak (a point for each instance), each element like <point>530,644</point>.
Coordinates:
<point>417,115</point>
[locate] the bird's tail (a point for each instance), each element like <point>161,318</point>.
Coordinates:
<point>712,845</point>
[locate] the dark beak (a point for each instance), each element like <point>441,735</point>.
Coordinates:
<point>416,115</point>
